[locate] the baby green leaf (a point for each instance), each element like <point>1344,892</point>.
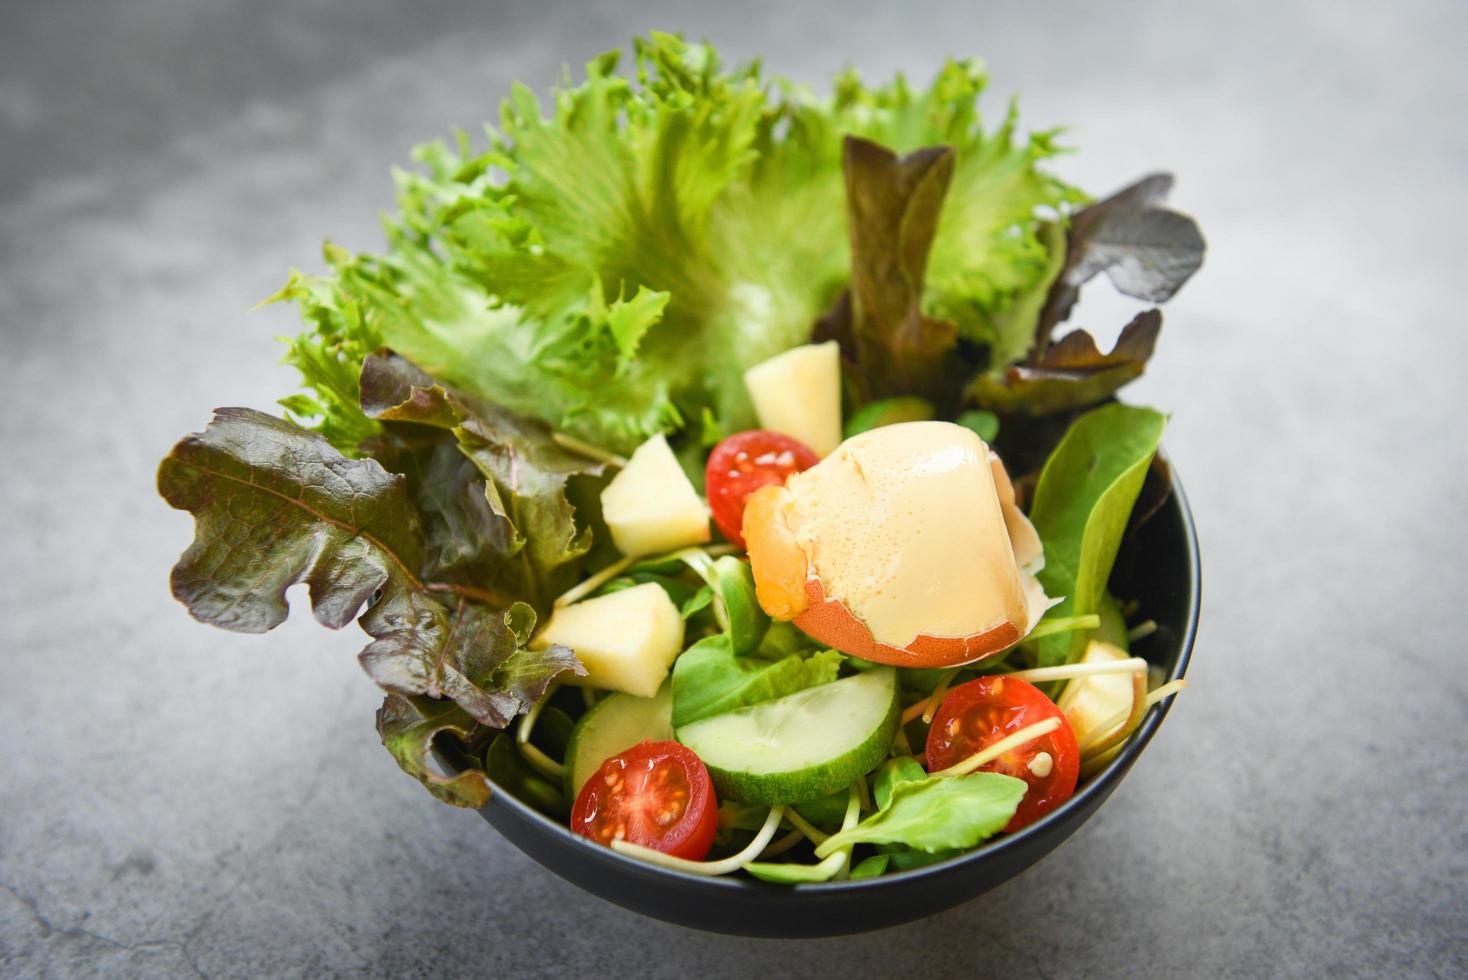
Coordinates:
<point>709,679</point>
<point>983,424</point>
<point>747,621</point>
<point>938,813</point>
<point>871,867</point>
<point>893,773</point>
<point>888,411</point>
<point>1082,502</point>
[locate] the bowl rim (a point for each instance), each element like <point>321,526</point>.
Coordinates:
<point>1100,785</point>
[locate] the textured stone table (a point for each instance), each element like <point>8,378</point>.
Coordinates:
<point>176,800</point>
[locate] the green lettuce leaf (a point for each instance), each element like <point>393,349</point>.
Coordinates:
<point>612,263</point>
<point>938,813</point>
<point>709,679</point>
<point>1081,506</point>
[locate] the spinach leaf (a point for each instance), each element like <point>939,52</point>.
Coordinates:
<point>905,858</point>
<point>983,424</point>
<point>504,764</point>
<point>690,598</point>
<point>709,679</point>
<point>696,602</point>
<point>826,811</point>
<point>893,773</point>
<point>871,867</point>
<point>781,639</point>
<point>1082,501</point>
<point>938,813</point>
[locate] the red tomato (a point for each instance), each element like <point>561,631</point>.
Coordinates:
<point>982,712</point>
<point>657,794</point>
<point>743,463</point>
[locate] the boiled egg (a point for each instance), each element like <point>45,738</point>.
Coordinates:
<point>904,546</point>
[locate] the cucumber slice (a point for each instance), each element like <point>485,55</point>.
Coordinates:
<point>802,746</point>
<point>614,724</point>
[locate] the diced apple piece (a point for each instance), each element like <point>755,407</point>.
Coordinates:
<point>650,506</point>
<point>626,640</point>
<point>799,393</point>
<point>1090,701</point>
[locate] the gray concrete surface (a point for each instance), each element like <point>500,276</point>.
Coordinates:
<point>178,801</point>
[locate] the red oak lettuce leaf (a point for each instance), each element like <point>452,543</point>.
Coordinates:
<point>408,727</point>
<point>275,505</point>
<point>1071,373</point>
<point>889,346</point>
<point>1148,252</point>
<point>522,538</point>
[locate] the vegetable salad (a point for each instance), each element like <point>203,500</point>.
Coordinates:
<point>701,461</point>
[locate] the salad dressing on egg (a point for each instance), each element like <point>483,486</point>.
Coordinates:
<point>903,525</point>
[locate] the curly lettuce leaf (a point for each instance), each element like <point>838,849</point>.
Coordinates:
<point>275,506</point>
<point>612,263</point>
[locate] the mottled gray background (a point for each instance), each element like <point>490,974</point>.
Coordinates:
<point>177,800</point>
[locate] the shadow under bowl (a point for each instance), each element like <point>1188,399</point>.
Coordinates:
<point>1163,575</point>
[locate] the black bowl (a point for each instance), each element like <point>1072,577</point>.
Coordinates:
<point>1163,576</point>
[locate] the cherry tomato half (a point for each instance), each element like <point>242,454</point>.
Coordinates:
<point>743,463</point>
<point>982,712</point>
<point>657,794</point>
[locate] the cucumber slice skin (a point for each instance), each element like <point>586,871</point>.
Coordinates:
<point>615,719</point>
<point>809,782</point>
